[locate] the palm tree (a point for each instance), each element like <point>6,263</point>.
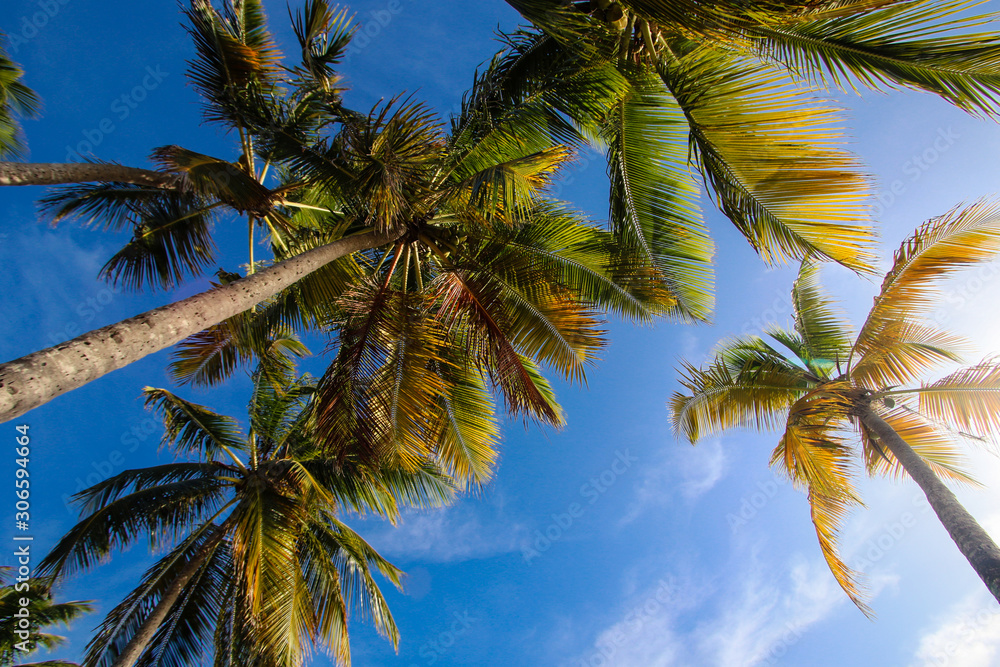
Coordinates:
<point>262,569</point>
<point>18,639</point>
<point>822,387</point>
<point>349,182</point>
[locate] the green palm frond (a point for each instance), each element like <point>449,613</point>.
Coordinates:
<point>192,428</point>
<point>324,34</point>
<point>125,619</point>
<point>235,56</point>
<point>654,208</point>
<point>589,261</point>
<point>171,239</point>
<point>470,434</point>
<point>43,612</point>
<point>115,206</point>
<point>16,101</point>
<point>158,514</point>
<point>479,308</point>
<point>211,177</point>
<point>770,154</point>
<point>924,44</point>
<point>826,335</point>
<point>746,384</point>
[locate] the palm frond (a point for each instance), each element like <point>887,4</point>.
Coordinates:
<point>824,332</point>
<point>654,208</point>
<point>746,384</point>
<point>969,398</point>
<point>16,101</point>
<point>932,444</point>
<point>771,155</point>
<point>923,44</point>
<point>192,428</point>
<point>960,238</point>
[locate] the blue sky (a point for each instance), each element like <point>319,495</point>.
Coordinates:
<point>606,543</point>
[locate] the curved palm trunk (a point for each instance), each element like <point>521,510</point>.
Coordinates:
<point>39,377</point>
<point>974,542</point>
<point>21,173</point>
<point>140,640</point>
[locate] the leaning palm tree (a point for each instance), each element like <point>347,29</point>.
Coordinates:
<point>261,569</point>
<point>22,633</point>
<point>349,182</point>
<point>828,391</point>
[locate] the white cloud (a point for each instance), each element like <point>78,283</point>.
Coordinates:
<point>455,533</point>
<point>969,636</point>
<point>768,618</point>
<point>693,471</point>
<point>749,624</point>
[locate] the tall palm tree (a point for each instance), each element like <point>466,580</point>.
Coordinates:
<point>16,640</point>
<point>654,93</point>
<point>349,182</point>
<point>261,568</point>
<point>821,387</point>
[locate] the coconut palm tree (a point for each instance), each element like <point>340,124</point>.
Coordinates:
<point>349,182</point>
<point>829,392</point>
<point>261,568</point>
<point>20,634</point>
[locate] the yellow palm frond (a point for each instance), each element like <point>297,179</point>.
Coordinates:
<point>903,351</point>
<point>772,154</point>
<point>968,398</point>
<point>939,247</point>
<point>828,514</point>
<point>810,453</point>
<point>815,457</point>
<point>724,395</point>
<point>927,440</point>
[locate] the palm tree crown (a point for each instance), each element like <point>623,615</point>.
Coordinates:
<point>16,640</point>
<point>823,386</point>
<point>260,569</point>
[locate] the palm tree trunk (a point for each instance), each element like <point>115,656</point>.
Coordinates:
<point>21,173</point>
<point>974,542</point>
<point>39,377</point>
<point>140,640</point>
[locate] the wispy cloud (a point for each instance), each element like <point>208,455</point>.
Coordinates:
<point>765,619</point>
<point>458,533</point>
<point>753,622</point>
<point>689,472</point>
<point>968,636</point>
